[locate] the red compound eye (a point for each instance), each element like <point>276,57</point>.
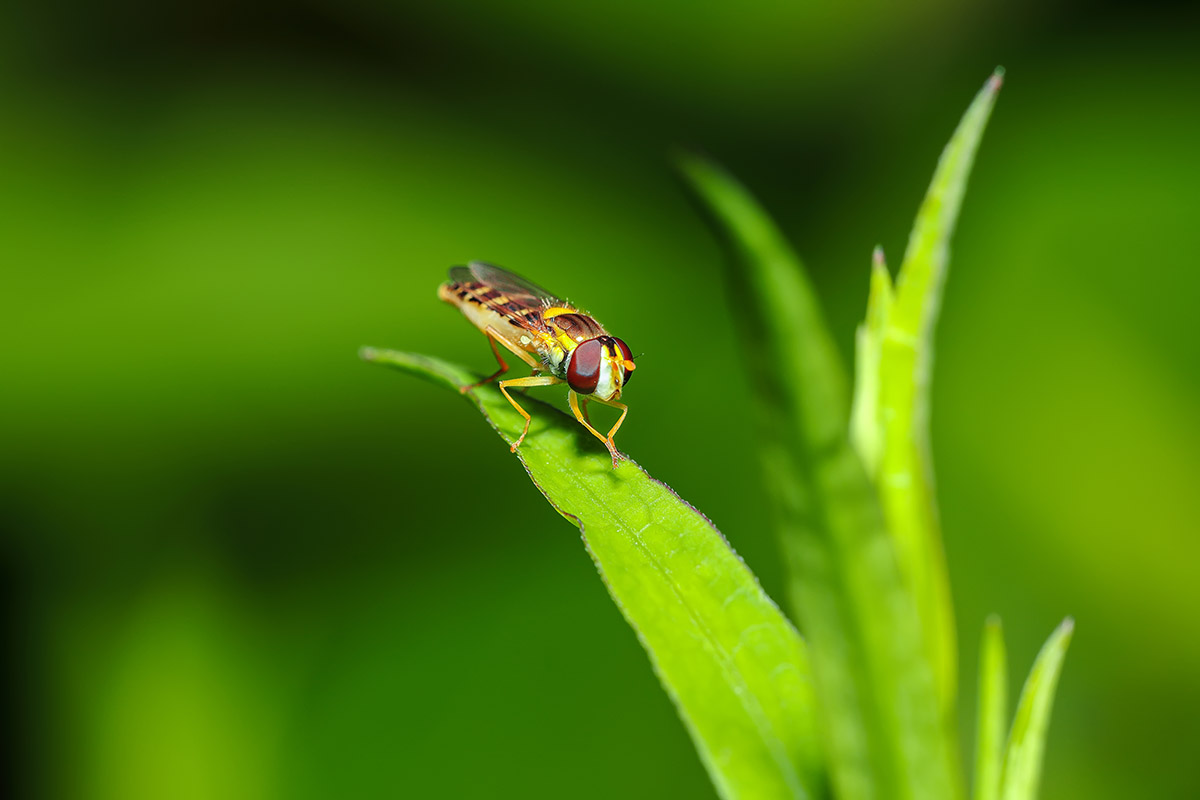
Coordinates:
<point>583,373</point>
<point>627,356</point>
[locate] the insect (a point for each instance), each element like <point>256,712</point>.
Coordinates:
<point>561,343</point>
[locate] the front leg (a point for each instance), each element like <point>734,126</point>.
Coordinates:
<point>573,401</point>
<point>624,410</point>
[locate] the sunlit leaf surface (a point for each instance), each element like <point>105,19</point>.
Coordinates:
<point>735,667</point>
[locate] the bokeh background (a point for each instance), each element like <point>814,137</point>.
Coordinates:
<point>239,563</point>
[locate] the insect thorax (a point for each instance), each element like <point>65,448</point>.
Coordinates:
<point>572,327</point>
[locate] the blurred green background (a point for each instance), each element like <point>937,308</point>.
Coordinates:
<point>239,563</point>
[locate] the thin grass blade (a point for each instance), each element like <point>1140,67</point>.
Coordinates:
<point>1027,741</point>
<point>736,669</point>
<point>878,701</point>
<point>905,478</point>
<point>866,415</point>
<point>993,712</point>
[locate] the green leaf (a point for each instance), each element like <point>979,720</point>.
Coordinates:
<point>905,472</point>
<point>1027,740</point>
<point>878,702</point>
<point>866,415</point>
<point>735,667</point>
<point>993,712</point>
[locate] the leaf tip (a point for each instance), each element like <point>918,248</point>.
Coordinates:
<point>688,160</point>
<point>1067,626</point>
<point>992,623</point>
<point>368,353</point>
<point>996,80</point>
<point>879,297</point>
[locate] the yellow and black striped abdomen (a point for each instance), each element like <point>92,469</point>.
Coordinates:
<point>486,307</point>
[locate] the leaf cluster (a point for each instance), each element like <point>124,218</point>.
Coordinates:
<point>862,705</point>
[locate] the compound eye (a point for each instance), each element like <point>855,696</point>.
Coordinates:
<point>627,357</point>
<point>583,373</point>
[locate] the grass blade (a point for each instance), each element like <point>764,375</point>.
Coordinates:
<point>993,712</point>
<point>905,475</point>
<point>866,416</point>
<point>878,701</point>
<point>1027,741</point>
<point>735,667</point>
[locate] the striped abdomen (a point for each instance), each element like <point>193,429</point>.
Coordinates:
<point>519,323</point>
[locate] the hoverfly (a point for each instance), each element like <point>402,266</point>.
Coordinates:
<point>548,334</point>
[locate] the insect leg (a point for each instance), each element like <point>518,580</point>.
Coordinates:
<point>532,380</point>
<point>495,336</point>
<point>573,400</point>
<point>519,352</point>
<point>624,410</point>
<point>503,369</point>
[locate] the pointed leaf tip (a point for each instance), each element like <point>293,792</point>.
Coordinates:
<point>905,474</point>
<point>1027,739</point>
<point>992,711</point>
<point>877,257</point>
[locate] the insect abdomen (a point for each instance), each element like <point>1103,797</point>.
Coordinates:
<point>480,305</point>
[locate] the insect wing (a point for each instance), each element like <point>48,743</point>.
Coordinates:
<point>518,290</point>
<point>509,296</point>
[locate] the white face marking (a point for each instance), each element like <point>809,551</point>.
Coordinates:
<point>606,388</point>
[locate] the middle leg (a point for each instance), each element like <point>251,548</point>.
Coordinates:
<point>532,380</point>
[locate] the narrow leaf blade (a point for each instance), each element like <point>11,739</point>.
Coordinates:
<point>879,707</point>
<point>866,415</point>
<point>905,482</point>
<point>992,711</point>
<point>1027,740</point>
<point>736,669</point>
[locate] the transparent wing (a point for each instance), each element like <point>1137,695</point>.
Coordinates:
<point>518,290</point>
<point>517,300</point>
